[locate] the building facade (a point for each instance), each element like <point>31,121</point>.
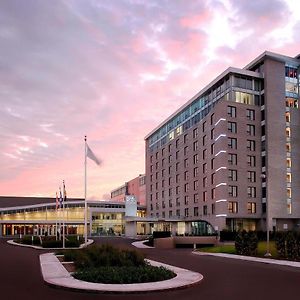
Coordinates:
<point>39,216</point>
<point>135,187</point>
<point>230,155</point>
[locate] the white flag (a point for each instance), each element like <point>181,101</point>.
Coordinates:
<point>91,155</point>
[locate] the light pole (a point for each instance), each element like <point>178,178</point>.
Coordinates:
<point>267,254</point>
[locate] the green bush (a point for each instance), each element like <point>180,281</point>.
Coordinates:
<point>124,275</point>
<point>107,264</point>
<point>246,243</point>
<point>27,240</point>
<point>291,246</point>
<point>280,238</point>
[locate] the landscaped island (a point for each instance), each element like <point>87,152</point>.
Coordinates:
<point>107,264</point>
<point>72,241</point>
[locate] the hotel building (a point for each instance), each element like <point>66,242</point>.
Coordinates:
<point>231,154</point>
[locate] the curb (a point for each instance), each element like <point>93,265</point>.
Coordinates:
<point>251,258</point>
<point>141,245</point>
<point>11,242</point>
<point>54,274</point>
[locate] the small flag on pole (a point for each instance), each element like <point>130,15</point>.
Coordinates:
<point>64,191</point>
<point>60,198</point>
<point>91,155</point>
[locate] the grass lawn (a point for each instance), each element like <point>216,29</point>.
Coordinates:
<point>230,249</point>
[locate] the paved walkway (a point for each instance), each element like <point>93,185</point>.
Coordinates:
<point>56,275</point>
<point>21,278</point>
<point>254,259</point>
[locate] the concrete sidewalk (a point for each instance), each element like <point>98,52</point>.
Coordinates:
<point>56,275</point>
<point>251,258</point>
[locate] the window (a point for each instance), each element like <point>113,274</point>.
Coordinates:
<point>204,210</point>
<point>186,212</point>
<point>170,213</point>
<point>212,119</point>
<point>196,185</point>
<point>213,178</point>
<point>186,175</point>
<point>232,191</point>
<point>204,182</point>
<point>232,207</point>
<point>196,198</point>
<point>250,114</point>
<point>178,212</point>
<point>170,170</point>
<point>212,134</point>
<point>163,172</point>
<point>186,163</point>
<point>212,163</point>
<point>186,187</point>
<point>213,193</point>
<point>287,117</point>
<point>195,146</point>
<point>170,147</point>
<point>177,143</point>
<point>196,158</point>
<point>186,200</point>
<point>231,111</point>
<point>156,155</point>
<point>232,159</point>
<point>232,175</point>
<point>250,145</point>
<point>177,178</point>
<point>170,192</point>
<point>177,202</point>
<point>196,172</point>
<point>212,148</point>
<point>204,140</point>
<point>185,150</point>
<point>251,176</point>
<point>177,167</point>
<point>288,163</point>
<point>177,190</point>
<point>204,196</point>
<point>232,143</point>
<point>251,207</point>
<point>251,191</point>
<point>195,133</point>
<point>196,212</point>
<point>250,129</point>
<point>232,127</point>
<point>203,126</point>
<point>177,155</point>
<point>204,154</point>
<point>204,168</point>
<point>251,161</point>
<point>185,138</point>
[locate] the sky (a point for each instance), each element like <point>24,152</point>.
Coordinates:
<point>114,70</point>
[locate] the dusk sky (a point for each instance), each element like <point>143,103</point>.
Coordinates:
<point>114,70</point>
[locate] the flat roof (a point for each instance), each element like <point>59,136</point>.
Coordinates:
<point>230,70</point>
<point>274,56</point>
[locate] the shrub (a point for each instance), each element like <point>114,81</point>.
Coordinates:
<point>291,246</point>
<point>280,244</point>
<point>124,275</point>
<point>246,243</point>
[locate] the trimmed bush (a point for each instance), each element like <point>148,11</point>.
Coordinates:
<point>227,235</point>
<point>124,275</point>
<point>280,244</point>
<point>107,264</point>
<point>246,243</point>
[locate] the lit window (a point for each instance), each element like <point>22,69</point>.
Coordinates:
<point>289,177</point>
<point>171,135</point>
<point>232,207</point>
<point>251,207</point>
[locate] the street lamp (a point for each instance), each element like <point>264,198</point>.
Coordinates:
<point>267,254</point>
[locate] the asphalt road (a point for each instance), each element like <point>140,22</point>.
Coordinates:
<point>20,277</point>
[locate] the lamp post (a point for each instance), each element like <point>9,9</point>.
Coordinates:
<point>267,254</point>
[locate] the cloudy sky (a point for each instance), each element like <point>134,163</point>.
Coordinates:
<point>113,70</point>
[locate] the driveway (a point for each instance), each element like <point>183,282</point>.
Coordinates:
<point>20,277</point>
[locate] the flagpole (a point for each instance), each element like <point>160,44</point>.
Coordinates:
<point>64,214</point>
<point>85,204</point>
<point>56,221</point>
